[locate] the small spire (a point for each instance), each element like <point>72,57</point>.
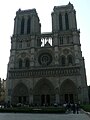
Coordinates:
<point>69,3</point>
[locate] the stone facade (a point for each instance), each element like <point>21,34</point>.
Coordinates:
<point>2,90</point>
<point>46,68</point>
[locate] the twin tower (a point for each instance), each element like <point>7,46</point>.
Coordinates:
<point>46,68</point>
<point>27,21</point>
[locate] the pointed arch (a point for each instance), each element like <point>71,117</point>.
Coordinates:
<point>70,59</point>
<point>20,89</point>
<point>27,63</point>
<point>61,40</point>
<point>43,83</point>
<point>20,94</point>
<point>66,21</point>
<point>68,91</point>
<point>28,25</point>
<point>22,25</point>
<point>63,60</point>
<point>20,62</point>
<point>44,92</point>
<point>60,22</point>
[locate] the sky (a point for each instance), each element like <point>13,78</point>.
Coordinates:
<point>44,9</point>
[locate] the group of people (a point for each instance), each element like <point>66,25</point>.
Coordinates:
<point>75,107</point>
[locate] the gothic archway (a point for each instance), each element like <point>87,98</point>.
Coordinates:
<point>44,92</point>
<point>20,94</point>
<point>68,92</point>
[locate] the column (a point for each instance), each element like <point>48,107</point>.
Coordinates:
<point>70,20</point>
<point>45,99</point>
<point>63,21</point>
<point>57,99</point>
<point>33,24</point>
<point>76,42</point>
<point>74,24</point>
<point>57,94</point>
<point>15,26</point>
<point>56,55</point>
<point>32,50</point>
<point>55,40</point>
<point>55,22</point>
<point>25,25</point>
<point>32,57</point>
<point>33,41</point>
<point>19,26</point>
<point>31,99</point>
<point>56,51</point>
<point>37,25</point>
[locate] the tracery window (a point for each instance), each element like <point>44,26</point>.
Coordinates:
<point>45,59</point>
<point>63,60</point>
<point>68,40</point>
<point>27,63</point>
<point>28,25</point>
<point>20,63</point>
<point>20,44</point>
<point>28,44</point>
<point>70,60</point>
<point>66,21</point>
<point>60,22</point>
<point>61,40</point>
<point>22,26</point>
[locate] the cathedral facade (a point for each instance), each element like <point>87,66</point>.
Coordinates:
<point>46,68</point>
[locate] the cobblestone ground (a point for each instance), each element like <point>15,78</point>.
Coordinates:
<point>69,116</point>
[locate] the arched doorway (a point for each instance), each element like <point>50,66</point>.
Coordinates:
<point>44,93</point>
<point>68,92</point>
<point>45,99</point>
<point>20,94</point>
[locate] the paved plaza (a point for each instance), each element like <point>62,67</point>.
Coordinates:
<point>17,116</point>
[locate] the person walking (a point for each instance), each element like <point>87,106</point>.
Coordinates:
<point>74,108</point>
<point>77,107</point>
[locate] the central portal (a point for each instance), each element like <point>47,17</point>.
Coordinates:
<point>69,98</point>
<point>44,93</point>
<point>45,100</point>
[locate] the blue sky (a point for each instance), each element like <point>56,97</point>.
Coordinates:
<point>44,8</point>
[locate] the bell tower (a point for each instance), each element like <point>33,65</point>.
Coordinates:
<point>64,18</point>
<point>26,26</point>
<point>26,22</point>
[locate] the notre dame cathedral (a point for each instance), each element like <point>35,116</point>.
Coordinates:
<point>46,68</point>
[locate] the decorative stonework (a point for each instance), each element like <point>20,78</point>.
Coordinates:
<point>66,51</point>
<point>46,68</point>
<point>23,55</point>
<point>45,59</point>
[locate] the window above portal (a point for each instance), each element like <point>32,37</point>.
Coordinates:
<point>45,59</point>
